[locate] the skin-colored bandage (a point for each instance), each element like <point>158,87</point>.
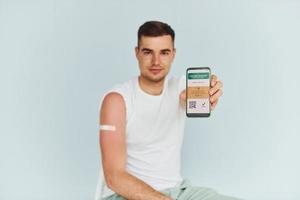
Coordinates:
<point>107,128</point>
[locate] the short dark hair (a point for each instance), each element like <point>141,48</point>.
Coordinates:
<point>154,29</point>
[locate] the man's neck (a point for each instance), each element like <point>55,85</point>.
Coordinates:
<point>151,87</point>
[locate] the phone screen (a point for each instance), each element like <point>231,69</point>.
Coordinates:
<point>197,92</point>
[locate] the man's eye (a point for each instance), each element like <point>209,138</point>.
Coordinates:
<point>165,53</point>
<point>146,52</point>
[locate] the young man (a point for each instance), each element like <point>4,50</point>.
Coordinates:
<point>142,124</point>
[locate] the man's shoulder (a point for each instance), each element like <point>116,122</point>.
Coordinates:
<point>177,82</point>
<point>176,78</point>
<point>125,89</point>
<point>124,86</point>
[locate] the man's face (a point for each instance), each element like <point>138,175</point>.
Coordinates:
<point>155,56</point>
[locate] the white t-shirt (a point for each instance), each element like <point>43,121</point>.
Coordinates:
<point>154,134</point>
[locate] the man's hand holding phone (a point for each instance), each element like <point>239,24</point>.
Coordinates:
<point>215,92</point>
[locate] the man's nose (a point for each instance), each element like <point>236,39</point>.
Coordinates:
<point>156,59</point>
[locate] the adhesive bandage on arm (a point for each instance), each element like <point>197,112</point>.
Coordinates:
<point>107,128</point>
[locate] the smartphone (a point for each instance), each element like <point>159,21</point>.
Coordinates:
<point>197,92</point>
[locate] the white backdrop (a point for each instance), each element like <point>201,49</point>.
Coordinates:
<point>58,57</point>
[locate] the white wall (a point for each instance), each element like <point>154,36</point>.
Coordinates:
<point>58,57</point>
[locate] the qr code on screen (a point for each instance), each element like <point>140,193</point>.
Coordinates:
<point>192,104</point>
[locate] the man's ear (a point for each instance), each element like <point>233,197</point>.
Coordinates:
<point>136,51</point>
<point>174,53</point>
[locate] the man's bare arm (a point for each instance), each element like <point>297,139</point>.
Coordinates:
<point>113,150</point>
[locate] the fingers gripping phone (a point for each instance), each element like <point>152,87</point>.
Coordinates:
<point>197,92</point>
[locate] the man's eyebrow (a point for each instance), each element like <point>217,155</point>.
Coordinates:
<point>163,50</point>
<point>166,50</point>
<point>146,49</point>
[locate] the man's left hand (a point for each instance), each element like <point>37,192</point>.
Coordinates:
<point>215,92</point>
